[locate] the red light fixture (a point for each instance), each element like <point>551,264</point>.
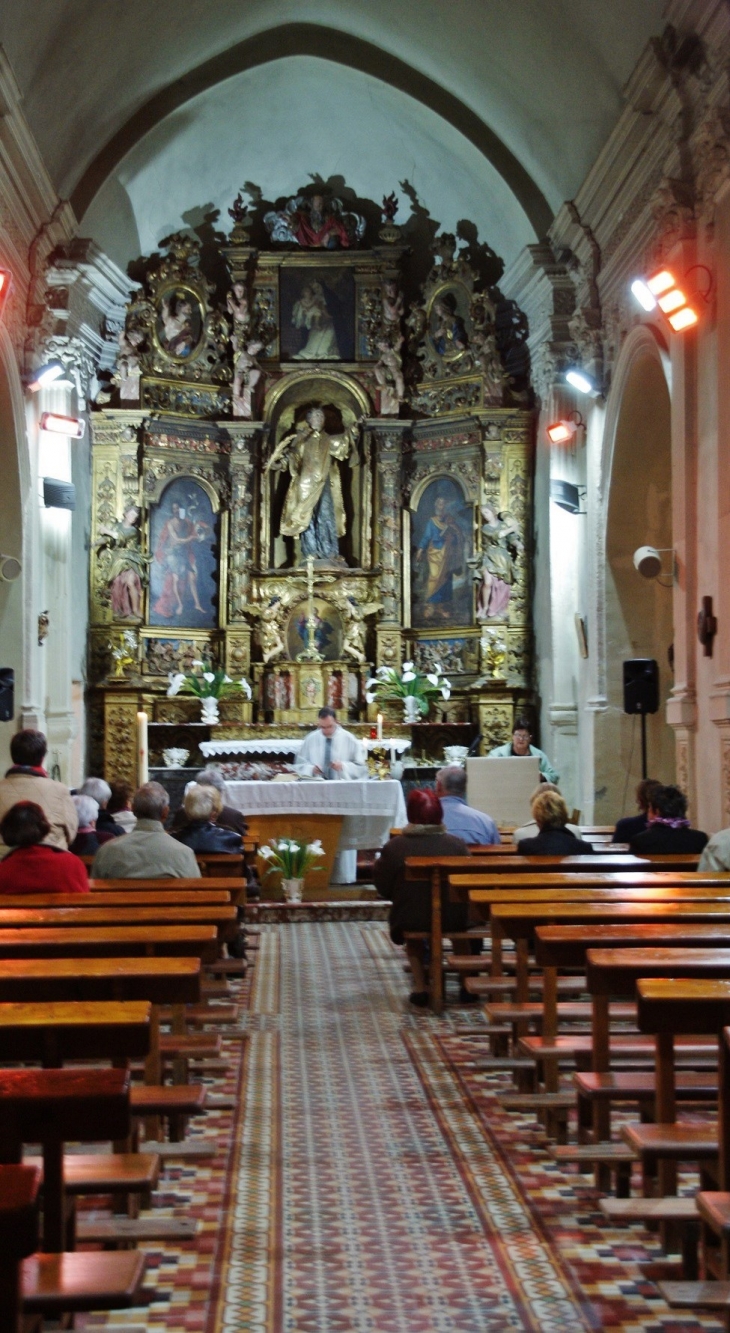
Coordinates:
<point>6,281</point>
<point>72,427</point>
<point>662,291</point>
<point>564,430</point>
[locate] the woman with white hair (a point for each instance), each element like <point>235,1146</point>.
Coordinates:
<point>202,806</point>
<point>86,842</point>
<point>228,816</point>
<point>101,792</point>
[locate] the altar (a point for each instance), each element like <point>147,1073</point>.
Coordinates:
<point>346,816</point>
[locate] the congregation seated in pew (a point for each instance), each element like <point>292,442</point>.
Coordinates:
<point>424,835</point>
<point>668,830</point>
<point>460,819</point>
<point>554,838</point>
<point>201,831</point>
<point>86,842</point>
<point>227,818</point>
<point>101,792</point>
<point>531,829</point>
<point>148,851</point>
<point>631,825</point>
<point>33,865</point>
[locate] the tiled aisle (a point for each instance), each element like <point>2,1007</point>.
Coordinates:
<point>375,1185</point>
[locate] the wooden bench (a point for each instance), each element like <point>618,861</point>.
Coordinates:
<point>19,1189</point>
<point>224,918</point>
<point>141,898</point>
<point>111,942</point>
<point>52,1033</point>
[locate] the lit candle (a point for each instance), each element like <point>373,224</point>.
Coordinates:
<point>380,726</point>
<point>143,771</point>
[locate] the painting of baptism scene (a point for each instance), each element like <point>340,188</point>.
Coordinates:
<point>364,666</point>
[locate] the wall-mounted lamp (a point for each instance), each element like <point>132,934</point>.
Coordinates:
<point>567,496</point>
<point>72,427</point>
<point>577,378</point>
<point>46,374</point>
<point>564,430</point>
<point>648,562</point>
<point>662,291</point>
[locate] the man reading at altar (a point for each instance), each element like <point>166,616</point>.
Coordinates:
<point>330,752</point>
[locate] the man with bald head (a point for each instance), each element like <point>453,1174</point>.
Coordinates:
<point>148,852</point>
<point>460,819</point>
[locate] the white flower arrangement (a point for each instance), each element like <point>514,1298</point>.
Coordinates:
<point>387,683</point>
<point>291,857</point>
<point>206,683</point>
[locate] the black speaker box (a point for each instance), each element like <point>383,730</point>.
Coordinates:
<point>641,685</point>
<point>7,694</point>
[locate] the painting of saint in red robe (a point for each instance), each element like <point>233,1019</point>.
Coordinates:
<point>184,557</point>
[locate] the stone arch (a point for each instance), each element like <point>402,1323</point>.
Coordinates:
<point>634,616</point>
<point>313,39</point>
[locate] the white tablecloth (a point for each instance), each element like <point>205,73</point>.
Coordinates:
<point>289,745</point>
<point>370,809</point>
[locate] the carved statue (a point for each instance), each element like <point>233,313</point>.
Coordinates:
<point>353,642</point>
<point>314,508</point>
<point>272,644</point>
<point>315,223</point>
<point>128,364</point>
<point>486,356</point>
<point>246,375</point>
<point>122,565</point>
<point>237,306</point>
<point>392,305</point>
<point>389,375</point>
<point>502,548</point>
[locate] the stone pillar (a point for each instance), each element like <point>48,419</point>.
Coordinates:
<point>245,451</point>
<point>389,534</point>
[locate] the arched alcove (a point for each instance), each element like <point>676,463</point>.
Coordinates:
<point>11,543</point>
<point>638,622</point>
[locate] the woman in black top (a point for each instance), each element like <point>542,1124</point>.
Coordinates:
<point>551,815</point>
<point>668,831</point>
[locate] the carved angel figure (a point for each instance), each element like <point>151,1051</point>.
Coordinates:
<point>353,642</point>
<point>246,375</point>
<point>272,644</point>
<point>486,356</point>
<point>389,375</point>
<point>502,549</point>
<point>237,306</point>
<point>128,364</point>
<point>122,565</point>
<point>392,304</point>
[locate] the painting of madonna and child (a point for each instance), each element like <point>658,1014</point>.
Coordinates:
<point>442,543</point>
<point>317,313</point>
<point>184,547</point>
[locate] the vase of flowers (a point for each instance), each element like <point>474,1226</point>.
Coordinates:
<point>417,690</point>
<point>209,686</point>
<point>292,858</point>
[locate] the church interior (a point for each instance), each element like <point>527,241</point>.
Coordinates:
<point>361,423</point>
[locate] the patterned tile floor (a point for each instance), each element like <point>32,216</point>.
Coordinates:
<point>368,1181</point>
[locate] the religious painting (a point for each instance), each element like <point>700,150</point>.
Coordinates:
<point>179,323</point>
<point>449,320</point>
<point>311,692</point>
<point>184,548</point>
<point>317,313</point>
<point>441,546</point>
<point>327,631</point>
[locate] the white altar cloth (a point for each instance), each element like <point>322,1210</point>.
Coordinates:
<point>370,809</point>
<point>291,745</point>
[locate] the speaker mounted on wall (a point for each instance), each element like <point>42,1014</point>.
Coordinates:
<point>7,694</point>
<point>641,685</point>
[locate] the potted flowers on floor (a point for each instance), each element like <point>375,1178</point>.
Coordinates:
<point>292,858</point>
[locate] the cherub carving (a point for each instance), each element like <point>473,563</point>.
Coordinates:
<point>272,643</point>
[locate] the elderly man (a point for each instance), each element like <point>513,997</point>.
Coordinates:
<point>227,818</point>
<point>101,792</point>
<point>460,819</point>
<point>148,852</point>
<point>27,780</point>
<point>330,752</point>
<point>520,746</point>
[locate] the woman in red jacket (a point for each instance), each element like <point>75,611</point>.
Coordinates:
<point>33,866</point>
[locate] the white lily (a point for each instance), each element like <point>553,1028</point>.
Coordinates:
<point>384,672</point>
<point>407,666</point>
<point>209,676</point>
<point>446,690</point>
<point>246,689</point>
<point>227,680</point>
<point>369,698</point>
<point>314,849</point>
<point>436,666</point>
<point>267,852</point>
<point>176,679</point>
<point>197,662</point>
<point>433,680</point>
<point>408,676</point>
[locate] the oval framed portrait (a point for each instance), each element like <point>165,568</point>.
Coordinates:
<point>179,322</point>
<point>449,320</point>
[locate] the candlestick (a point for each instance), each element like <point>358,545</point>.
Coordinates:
<point>380,726</point>
<point>143,771</point>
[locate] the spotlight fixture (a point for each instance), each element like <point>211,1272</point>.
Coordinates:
<point>662,291</point>
<point>72,427</point>
<point>567,496</point>
<point>648,560</point>
<point>6,280</point>
<point>563,431</point>
<point>578,379</point>
<point>52,370</point>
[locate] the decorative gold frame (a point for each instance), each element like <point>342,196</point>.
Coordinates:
<point>194,297</point>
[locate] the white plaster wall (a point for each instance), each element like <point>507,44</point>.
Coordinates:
<point>276,124</point>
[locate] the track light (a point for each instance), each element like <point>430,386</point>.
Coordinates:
<point>662,291</point>
<point>564,430</point>
<point>578,379</point>
<point>72,427</point>
<point>52,370</point>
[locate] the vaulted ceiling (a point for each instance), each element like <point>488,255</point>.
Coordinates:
<point>493,111</point>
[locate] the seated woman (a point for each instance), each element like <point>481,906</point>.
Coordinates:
<point>201,832</point>
<point>86,842</point>
<point>531,830</point>
<point>668,830</point>
<point>555,838</point>
<point>628,827</point>
<point>32,866</point>
<point>119,805</point>
<point>424,835</point>
<point>228,816</point>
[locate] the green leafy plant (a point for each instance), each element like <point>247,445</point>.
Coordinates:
<point>425,688</point>
<point>206,683</point>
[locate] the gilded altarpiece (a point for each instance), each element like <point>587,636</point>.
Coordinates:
<point>303,477</point>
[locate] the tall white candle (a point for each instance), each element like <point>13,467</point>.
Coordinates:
<point>143,768</point>
<point>380,726</point>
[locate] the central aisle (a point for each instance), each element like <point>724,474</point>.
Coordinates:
<point>367,1197</point>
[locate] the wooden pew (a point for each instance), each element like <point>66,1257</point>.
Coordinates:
<point>111,942</point>
<point>19,1189</point>
<point>150,898</point>
<point>223,917</point>
<point>52,1033</point>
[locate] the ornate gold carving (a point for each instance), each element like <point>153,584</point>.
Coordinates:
<point>120,739</point>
